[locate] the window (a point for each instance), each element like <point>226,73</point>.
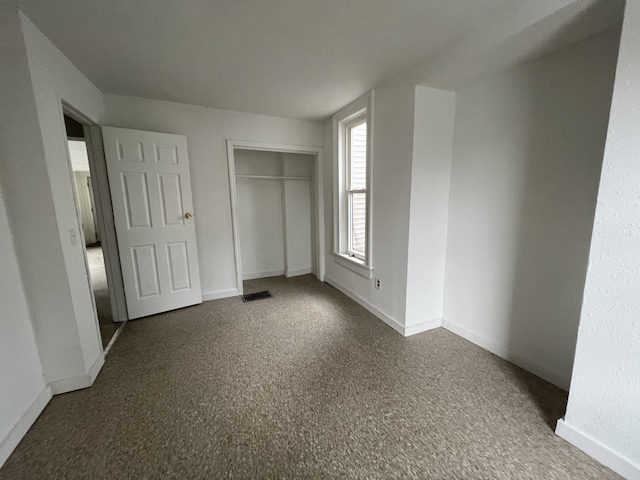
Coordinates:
<point>352,127</point>
<point>356,174</point>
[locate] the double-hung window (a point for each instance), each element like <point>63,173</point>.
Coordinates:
<point>352,130</point>
<point>355,165</point>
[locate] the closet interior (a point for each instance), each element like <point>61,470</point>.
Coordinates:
<point>276,213</point>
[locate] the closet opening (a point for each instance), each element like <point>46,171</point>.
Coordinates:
<point>276,212</point>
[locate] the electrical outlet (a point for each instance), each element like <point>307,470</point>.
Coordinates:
<point>377,283</point>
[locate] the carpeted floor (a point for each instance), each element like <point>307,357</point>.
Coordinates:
<point>95,259</point>
<point>304,385</point>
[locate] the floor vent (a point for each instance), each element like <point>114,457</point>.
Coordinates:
<point>252,297</point>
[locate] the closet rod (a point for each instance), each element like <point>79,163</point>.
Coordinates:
<point>272,177</point>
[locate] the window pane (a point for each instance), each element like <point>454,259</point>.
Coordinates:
<point>358,217</point>
<point>358,156</point>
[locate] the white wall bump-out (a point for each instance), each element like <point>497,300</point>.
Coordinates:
<point>429,205</point>
<point>410,171</point>
<point>392,122</point>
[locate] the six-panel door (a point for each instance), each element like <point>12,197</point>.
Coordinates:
<point>154,218</point>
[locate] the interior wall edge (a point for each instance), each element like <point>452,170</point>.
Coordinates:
<point>78,382</point>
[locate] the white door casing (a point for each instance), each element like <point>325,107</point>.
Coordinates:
<point>153,214</point>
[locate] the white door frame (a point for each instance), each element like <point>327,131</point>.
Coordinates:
<point>104,213</point>
<point>98,165</point>
<point>316,152</point>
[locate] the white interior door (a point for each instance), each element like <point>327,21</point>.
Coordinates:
<point>153,214</point>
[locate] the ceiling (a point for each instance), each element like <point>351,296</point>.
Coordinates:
<point>291,58</point>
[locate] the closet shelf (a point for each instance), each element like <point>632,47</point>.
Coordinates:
<point>273,177</point>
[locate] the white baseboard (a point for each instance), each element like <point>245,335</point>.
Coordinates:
<point>220,294</point>
<point>533,367</point>
<point>95,368</point>
<point>113,340</point>
<point>269,273</point>
<point>80,381</point>
<point>11,441</point>
<point>596,449</point>
<point>397,326</point>
<point>422,327</point>
<point>299,271</point>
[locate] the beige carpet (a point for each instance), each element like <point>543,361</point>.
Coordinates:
<point>305,385</point>
<point>95,259</point>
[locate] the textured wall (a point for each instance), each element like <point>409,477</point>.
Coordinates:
<point>604,400</point>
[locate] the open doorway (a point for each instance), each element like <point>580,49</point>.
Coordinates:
<point>92,236</point>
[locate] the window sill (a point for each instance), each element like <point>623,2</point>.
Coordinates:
<point>353,264</point>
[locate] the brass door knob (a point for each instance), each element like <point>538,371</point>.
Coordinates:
<point>187,215</point>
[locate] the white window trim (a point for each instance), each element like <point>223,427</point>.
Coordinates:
<point>340,210</point>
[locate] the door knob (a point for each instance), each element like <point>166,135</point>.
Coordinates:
<point>187,215</point>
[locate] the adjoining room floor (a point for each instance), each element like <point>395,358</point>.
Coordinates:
<point>307,384</point>
<point>98,274</point>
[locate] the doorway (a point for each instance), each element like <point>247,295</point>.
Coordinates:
<point>93,233</point>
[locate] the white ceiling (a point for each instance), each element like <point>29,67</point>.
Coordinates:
<point>291,58</point>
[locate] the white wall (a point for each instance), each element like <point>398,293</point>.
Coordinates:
<point>527,157</point>
<point>429,208</point>
<point>412,149</point>
<point>260,214</point>
<point>21,377</point>
<point>38,189</point>
<point>206,130</point>
<point>299,208</point>
<point>391,179</point>
<point>41,338</point>
<point>603,414</point>
<point>55,79</point>
<point>260,226</point>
